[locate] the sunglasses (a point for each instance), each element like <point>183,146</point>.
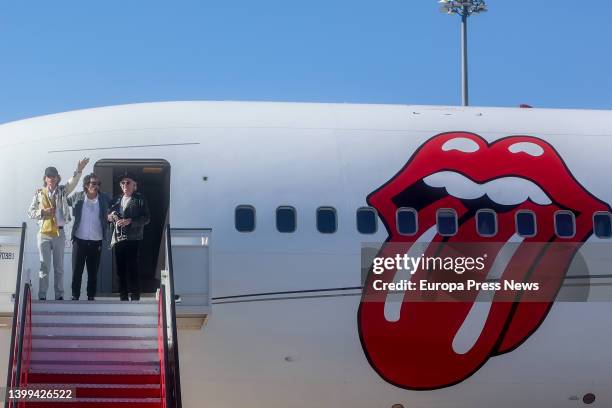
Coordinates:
<point>125,183</point>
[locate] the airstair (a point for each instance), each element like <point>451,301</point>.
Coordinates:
<point>102,353</point>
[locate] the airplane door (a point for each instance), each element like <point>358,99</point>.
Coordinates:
<point>153,177</point>
<point>191,266</point>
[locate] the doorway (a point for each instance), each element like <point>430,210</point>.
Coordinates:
<point>153,178</point>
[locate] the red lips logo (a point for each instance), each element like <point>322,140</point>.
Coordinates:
<point>416,350</point>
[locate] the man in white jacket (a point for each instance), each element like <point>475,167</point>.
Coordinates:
<point>50,208</point>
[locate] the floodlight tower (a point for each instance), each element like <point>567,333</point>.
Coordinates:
<point>464,8</point>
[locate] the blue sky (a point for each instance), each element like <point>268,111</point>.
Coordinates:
<point>63,55</point>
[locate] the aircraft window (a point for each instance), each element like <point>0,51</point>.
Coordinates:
<point>366,220</point>
<point>245,218</point>
<point>407,221</point>
<point>446,220</point>
<point>486,222</point>
<point>565,224</point>
<point>327,220</point>
<point>285,219</point>
<point>525,223</point>
<point>602,224</point>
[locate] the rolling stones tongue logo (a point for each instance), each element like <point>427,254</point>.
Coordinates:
<point>415,351</point>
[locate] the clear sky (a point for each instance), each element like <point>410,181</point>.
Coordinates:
<point>62,55</point>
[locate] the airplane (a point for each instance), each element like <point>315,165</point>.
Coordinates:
<point>274,206</point>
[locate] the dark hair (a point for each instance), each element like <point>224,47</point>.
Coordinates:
<point>88,178</point>
<point>59,178</point>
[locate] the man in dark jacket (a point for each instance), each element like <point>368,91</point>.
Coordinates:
<point>129,214</point>
<point>90,208</point>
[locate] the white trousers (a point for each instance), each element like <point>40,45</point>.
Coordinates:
<point>51,248</point>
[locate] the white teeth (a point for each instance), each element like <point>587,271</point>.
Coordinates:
<point>504,191</point>
<point>531,149</point>
<point>463,144</point>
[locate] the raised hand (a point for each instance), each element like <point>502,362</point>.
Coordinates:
<point>82,163</point>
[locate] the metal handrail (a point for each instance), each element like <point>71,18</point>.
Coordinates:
<point>171,351</point>
<point>176,371</point>
<point>13,344</point>
<point>162,345</point>
<point>22,328</point>
<point>166,373</point>
<point>17,378</point>
<point>27,339</point>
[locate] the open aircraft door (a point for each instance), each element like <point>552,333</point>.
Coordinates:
<point>190,257</point>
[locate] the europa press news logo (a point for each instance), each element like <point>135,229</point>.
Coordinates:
<point>436,266</point>
<point>424,331</point>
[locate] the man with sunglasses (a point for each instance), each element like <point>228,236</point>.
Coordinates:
<point>50,207</point>
<point>90,208</point>
<point>129,214</point>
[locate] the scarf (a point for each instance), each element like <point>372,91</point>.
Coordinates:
<point>49,225</point>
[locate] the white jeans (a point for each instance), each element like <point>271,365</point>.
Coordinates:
<point>51,247</point>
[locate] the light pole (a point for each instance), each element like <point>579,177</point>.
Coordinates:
<point>464,8</point>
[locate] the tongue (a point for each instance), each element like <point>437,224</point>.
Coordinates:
<point>550,267</point>
<point>416,351</point>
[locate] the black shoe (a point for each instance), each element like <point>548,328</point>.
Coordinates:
<point>124,298</point>
<point>91,298</point>
<point>42,298</point>
<point>75,298</point>
<point>135,298</point>
<point>60,298</point>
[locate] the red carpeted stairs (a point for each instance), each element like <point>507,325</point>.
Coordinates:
<point>105,351</point>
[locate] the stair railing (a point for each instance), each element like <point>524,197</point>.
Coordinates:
<point>27,339</point>
<point>19,331</point>
<point>171,388</point>
<point>162,344</point>
<point>24,349</point>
